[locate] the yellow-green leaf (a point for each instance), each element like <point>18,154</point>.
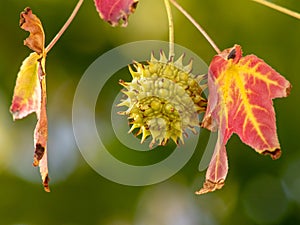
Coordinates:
<point>27,93</point>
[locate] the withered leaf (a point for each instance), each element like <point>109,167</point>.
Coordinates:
<point>30,90</point>
<point>31,23</point>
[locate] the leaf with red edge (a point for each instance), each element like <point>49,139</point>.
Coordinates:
<point>114,11</point>
<point>241,90</point>
<point>27,94</point>
<point>30,90</point>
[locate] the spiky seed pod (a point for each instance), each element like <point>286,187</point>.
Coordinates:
<point>163,99</point>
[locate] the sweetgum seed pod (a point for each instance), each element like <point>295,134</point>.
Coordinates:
<point>163,99</point>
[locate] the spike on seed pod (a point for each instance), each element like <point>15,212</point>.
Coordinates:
<point>163,98</point>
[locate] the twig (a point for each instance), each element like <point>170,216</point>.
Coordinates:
<point>279,8</point>
<point>171,29</point>
<point>191,19</point>
<point>65,26</point>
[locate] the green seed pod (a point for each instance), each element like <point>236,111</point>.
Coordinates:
<point>164,99</point>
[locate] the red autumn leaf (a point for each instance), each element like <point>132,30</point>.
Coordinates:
<point>114,11</point>
<point>241,90</point>
<point>30,90</point>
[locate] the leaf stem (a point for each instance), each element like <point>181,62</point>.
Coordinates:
<point>171,29</point>
<point>279,8</point>
<point>191,19</point>
<point>65,26</point>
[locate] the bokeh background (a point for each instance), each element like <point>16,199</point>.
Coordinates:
<point>257,191</point>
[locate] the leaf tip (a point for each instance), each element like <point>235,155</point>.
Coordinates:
<point>209,123</point>
<point>210,186</point>
<point>288,90</point>
<point>46,180</point>
<point>26,11</point>
<point>275,154</point>
<point>17,109</point>
<point>15,115</point>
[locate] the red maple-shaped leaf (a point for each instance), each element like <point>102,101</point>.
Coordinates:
<point>241,90</point>
<point>114,11</point>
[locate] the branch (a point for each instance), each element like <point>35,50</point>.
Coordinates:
<point>171,29</point>
<point>279,8</point>
<point>191,19</point>
<point>65,26</point>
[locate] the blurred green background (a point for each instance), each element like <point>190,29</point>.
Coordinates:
<point>257,191</point>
